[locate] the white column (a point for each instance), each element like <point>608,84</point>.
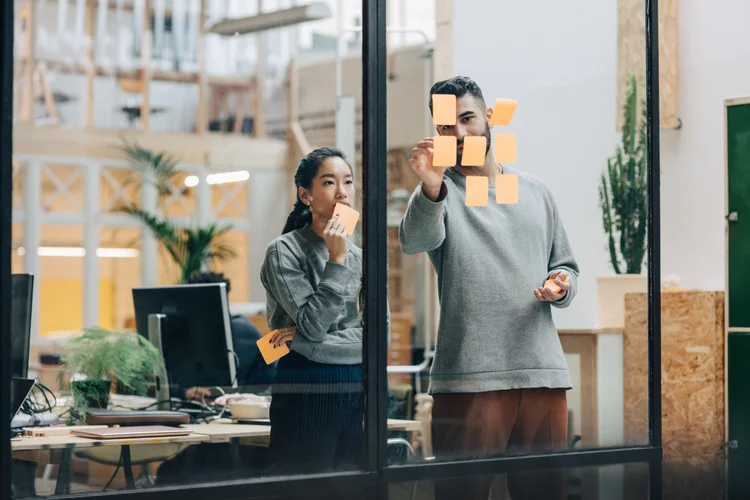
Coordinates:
<point>204,215</point>
<point>90,245</point>
<point>32,234</point>
<point>149,197</point>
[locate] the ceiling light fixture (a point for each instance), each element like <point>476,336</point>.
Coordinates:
<point>270,20</point>
<point>104,253</point>
<point>220,178</point>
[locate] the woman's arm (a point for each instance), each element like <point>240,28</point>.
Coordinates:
<point>313,311</point>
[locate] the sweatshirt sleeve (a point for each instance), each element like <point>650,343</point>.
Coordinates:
<point>313,311</point>
<point>423,225</point>
<point>561,259</point>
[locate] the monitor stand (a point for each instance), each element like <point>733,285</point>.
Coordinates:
<point>156,326</point>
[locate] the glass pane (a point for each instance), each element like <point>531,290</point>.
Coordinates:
<point>497,162</point>
<point>614,482</point>
<point>190,318</point>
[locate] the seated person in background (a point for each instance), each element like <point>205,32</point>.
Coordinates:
<point>253,374</point>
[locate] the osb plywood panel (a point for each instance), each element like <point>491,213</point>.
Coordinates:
<point>692,388</point>
<point>631,55</point>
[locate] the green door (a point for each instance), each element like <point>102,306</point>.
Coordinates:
<point>738,300</point>
<point>738,178</point>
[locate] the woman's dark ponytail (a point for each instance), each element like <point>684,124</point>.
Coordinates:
<point>308,167</point>
<point>299,218</point>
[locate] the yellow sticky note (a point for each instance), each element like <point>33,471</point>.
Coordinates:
<point>554,287</point>
<point>503,111</point>
<point>475,150</point>
<point>506,189</point>
<point>477,190</point>
<point>443,109</point>
<point>347,216</point>
<point>505,148</point>
<point>445,151</point>
<point>268,351</point>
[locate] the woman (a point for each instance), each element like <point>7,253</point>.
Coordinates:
<point>311,274</point>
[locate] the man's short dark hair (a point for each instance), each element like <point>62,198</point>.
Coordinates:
<point>209,277</point>
<point>458,86</point>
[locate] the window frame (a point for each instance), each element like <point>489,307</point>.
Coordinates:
<point>377,474</point>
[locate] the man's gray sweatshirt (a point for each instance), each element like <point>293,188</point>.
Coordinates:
<point>494,334</point>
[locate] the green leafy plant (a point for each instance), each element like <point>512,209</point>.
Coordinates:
<point>623,191</point>
<point>157,168</point>
<point>103,356</point>
<point>192,249</point>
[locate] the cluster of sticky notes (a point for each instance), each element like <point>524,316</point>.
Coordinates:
<point>347,216</point>
<point>474,150</point>
<point>270,352</point>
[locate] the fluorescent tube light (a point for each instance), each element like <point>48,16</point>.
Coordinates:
<point>105,253</point>
<point>270,20</point>
<point>220,178</point>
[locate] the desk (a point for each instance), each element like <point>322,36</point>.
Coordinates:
<point>59,449</point>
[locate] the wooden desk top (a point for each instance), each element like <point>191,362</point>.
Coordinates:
<point>216,432</point>
<point>70,441</point>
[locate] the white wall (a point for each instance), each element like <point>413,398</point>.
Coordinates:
<point>714,52</point>
<point>559,60</point>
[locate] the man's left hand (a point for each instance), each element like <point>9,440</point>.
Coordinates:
<point>547,295</point>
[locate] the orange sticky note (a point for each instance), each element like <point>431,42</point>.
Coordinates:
<point>475,150</point>
<point>347,216</point>
<point>506,189</point>
<point>503,111</point>
<point>477,190</point>
<point>445,151</point>
<point>505,148</point>
<point>554,287</point>
<point>268,351</point>
<point>443,109</point>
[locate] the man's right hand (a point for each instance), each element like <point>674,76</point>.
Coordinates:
<point>421,163</point>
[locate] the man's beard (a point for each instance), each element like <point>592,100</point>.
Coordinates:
<point>486,134</point>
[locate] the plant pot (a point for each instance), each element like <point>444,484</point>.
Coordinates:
<point>610,296</point>
<point>91,393</point>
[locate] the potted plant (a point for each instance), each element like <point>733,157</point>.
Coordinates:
<point>192,249</point>
<point>100,356</point>
<point>623,199</point>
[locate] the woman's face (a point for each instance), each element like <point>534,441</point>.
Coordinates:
<point>333,184</point>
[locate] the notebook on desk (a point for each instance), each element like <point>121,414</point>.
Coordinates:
<point>144,431</point>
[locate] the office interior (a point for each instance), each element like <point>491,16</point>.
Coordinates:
<point>195,113</point>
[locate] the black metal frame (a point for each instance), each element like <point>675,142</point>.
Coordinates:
<point>377,474</point>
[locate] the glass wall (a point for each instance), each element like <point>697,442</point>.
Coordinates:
<point>518,198</point>
<point>272,248</point>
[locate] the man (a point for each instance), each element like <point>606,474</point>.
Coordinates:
<point>253,374</point>
<point>499,377</point>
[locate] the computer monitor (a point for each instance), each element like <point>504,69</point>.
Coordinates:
<point>195,332</point>
<point>22,297</point>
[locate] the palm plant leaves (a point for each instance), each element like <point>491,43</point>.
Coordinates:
<point>157,168</point>
<point>190,248</point>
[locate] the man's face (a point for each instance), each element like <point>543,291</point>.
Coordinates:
<point>471,119</point>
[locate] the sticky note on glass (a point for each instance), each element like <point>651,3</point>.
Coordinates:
<point>506,189</point>
<point>554,287</point>
<point>505,148</point>
<point>477,190</point>
<point>347,216</point>
<point>445,151</point>
<point>475,150</point>
<point>443,109</point>
<point>268,351</point>
<point>503,111</point>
